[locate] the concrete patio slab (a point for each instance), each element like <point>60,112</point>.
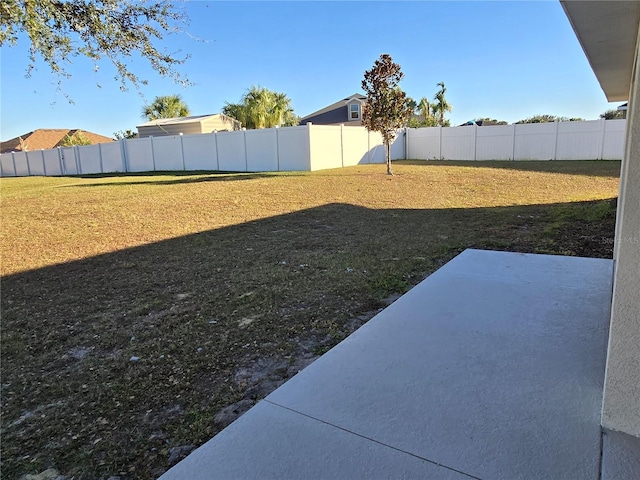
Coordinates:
<point>272,442</point>
<point>492,368</point>
<point>620,456</point>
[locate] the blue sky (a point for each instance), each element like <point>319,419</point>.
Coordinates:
<point>499,59</point>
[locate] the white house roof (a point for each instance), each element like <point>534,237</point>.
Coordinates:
<point>607,31</point>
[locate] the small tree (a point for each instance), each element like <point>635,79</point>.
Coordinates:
<point>76,138</point>
<point>612,114</point>
<point>546,118</point>
<point>486,121</point>
<point>388,107</point>
<point>125,134</point>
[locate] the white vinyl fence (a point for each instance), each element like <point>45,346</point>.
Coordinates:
<point>302,148</point>
<point>590,140</point>
<point>318,147</point>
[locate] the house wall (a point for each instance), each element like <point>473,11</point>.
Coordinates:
<point>218,124</point>
<point>157,131</point>
<point>351,121</point>
<point>621,401</point>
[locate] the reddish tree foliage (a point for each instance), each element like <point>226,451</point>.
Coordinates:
<point>387,108</point>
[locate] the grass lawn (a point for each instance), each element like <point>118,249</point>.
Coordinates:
<point>136,308</point>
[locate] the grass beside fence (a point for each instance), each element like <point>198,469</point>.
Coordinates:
<point>136,308</point>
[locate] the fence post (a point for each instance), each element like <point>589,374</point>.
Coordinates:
<point>369,146</point>
<point>475,141</point>
<point>342,144</point>
<point>76,156</point>
<point>277,149</point>
<point>555,147</point>
<point>440,143</point>
<point>406,143</point>
<point>26,155</point>
<point>63,169</point>
<point>513,155</point>
<point>124,154</point>
<point>44,165</point>
<point>215,139</point>
<point>309,125</point>
<point>246,157</point>
<point>603,126</point>
<point>184,164</point>
<point>100,155</point>
<point>13,160</point>
<point>153,153</point>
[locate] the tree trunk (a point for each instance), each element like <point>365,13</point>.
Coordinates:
<point>387,152</point>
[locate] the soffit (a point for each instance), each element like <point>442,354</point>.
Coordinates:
<point>607,31</point>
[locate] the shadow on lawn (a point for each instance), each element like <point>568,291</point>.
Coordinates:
<point>111,361</point>
<point>607,168</point>
<point>210,177</point>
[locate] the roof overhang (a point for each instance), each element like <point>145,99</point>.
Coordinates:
<point>356,98</point>
<point>608,32</point>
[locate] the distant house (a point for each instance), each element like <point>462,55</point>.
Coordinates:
<point>188,125</point>
<point>347,111</point>
<point>46,138</point>
<point>623,108</point>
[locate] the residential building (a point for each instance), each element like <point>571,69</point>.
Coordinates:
<point>347,111</point>
<point>218,122</point>
<point>46,138</point>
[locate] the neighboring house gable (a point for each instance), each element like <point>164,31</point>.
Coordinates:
<point>188,125</point>
<point>347,111</point>
<point>46,138</point>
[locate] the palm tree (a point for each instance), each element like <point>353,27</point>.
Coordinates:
<point>425,108</point>
<point>167,106</point>
<point>442,105</point>
<point>262,108</point>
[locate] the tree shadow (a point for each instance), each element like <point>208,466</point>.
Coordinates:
<point>602,168</point>
<point>193,177</point>
<point>140,348</point>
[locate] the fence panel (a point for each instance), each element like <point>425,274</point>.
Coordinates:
<point>398,145</point>
<point>376,148</point>
<point>458,143</point>
<point>613,145</point>
<point>52,162</point>
<point>111,157</point>
<point>579,140</point>
<point>200,152</point>
<point>36,162</point>
<point>424,143</point>
<point>495,142</point>
<point>22,165</point>
<point>315,147</point>
<point>294,150</point>
<point>89,159</point>
<point>140,155</point>
<point>69,162</point>
<point>231,151</point>
<point>7,168</point>
<point>355,146</point>
<point>325,146</point>
<point>262,150</point>
<point>167,153</point>
<point>535,141</point>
